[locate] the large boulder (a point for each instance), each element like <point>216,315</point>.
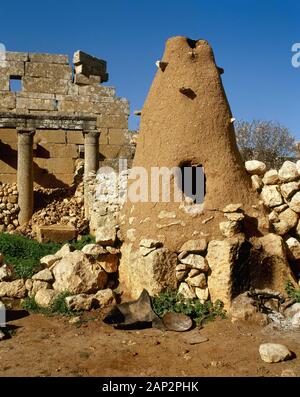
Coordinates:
<point>295,202</point>
<point>288,189</point>
<point>255,167</point>
<point>274,352</point>
<point>197,246</point>
<point>225,259</point>
<point>287,219</point>
<point>271,177</point>
<point>36,286</point>
<point>43,275</point>
<point>45,297</point>
<point>154,272</point>
<point>79,302</point>
<point>293,248</point>
<point>108,262</point>
<point>104,297</point>
<point>77,273</point>
<point>269,267</point>
<point>288,172</point>
<point>106,235</point>
<point>271,196</point>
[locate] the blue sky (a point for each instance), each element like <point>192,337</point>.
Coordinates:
<point>252,41</point>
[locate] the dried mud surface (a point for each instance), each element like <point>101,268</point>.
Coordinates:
<point>51,346</point>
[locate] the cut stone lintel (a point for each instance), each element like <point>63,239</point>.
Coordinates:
<point>47,121</point>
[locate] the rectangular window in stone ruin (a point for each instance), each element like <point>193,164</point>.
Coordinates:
<point>15,83</point>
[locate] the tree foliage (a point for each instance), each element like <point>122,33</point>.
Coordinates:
<point>266,141</point>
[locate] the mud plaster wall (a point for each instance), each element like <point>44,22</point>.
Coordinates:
<point>176,127</point>
<point>49,85</point>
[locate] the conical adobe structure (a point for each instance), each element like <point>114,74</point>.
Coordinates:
<point>186,121</point>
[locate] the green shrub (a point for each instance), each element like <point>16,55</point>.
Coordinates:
<point>292,292</point>
<point>171,301</point>
<point>78,245</point>
<point>58,306</point>
<point>25,254</point>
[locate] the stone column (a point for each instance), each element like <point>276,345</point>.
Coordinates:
<point>91,163</point>
<point>25,175</point>
<point>91,151</point>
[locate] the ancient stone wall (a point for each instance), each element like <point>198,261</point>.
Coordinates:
<point>50,86</point>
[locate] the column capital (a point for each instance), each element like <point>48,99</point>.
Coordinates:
<point>24,131</point>
<point>92,133</point>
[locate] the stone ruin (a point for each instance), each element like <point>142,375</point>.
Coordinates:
<point>244,235</point>
<point>58,117</point>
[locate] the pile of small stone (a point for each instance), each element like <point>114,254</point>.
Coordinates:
<point>89,275</point>
<point>194,258</point>
<point>280,193</point>
<point>61,211</point>
<point>9,208</point>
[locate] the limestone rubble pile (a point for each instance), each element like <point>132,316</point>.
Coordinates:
<point>88,276</point>
<point>9,208</point>
<point>68,210</point>
<point>280,194</point>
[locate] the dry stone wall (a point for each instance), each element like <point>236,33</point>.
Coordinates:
<point>50,86</point>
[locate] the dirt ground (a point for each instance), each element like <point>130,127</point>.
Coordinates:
<point>51,346</point>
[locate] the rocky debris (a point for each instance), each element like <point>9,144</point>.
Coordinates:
<point>43,275</point>
<point>235,217</point>
<point>62,207</point>
<point>149,243</point>
<point>49,260</point>
<point>295,202</point>
<point>13,289</point>
<point>45,297</point>
<point>202,294</point>
<point>108,262</point>
<point>233,208</point>
<point>296,320</point>
<point>221,257</point>
<point>65,250</point>
<point>77,274</point>
<point>274,352</point>
<point>145,272</point>
<point>79,302</point>
<point>197,281</point>
<point>195,261</point>
<point>288,189</point>
<point>271,196</point>
<point>293,248</point>
<point>255,167</point>
<point>9,208</point>
<point>94,250</point>
<point>285,221</point>
<point>106,235</point>
<point>104,297</point>
<point>229,228</point>
<point>34,286</point>
<point>2,335</point>
<point>291,310</point>
<point>197,246</point>
<point>243,308</point>
<point>271,177</point>
<point>186,291</point>
<point>288,172</point>
<point>6,272</point>
<point>274,270</point>
<point>257,183</point>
